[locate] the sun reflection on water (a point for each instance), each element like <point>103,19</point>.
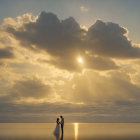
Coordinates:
<point>76,130</point>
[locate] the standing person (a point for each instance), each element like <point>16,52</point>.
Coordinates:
<point>62,124</point>
<point>57,129</point>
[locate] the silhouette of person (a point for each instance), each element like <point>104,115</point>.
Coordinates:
<point>62,124</point>
<point>57,130</point>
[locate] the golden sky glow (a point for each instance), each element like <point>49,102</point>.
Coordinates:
<point>51,66</point>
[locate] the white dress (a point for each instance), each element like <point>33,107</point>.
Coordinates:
<point>57,130</point>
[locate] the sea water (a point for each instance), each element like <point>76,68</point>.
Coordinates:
<point>72,131</point>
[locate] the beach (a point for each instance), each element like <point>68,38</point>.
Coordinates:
<point>72,131</point>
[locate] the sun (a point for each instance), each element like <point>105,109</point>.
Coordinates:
<point>80,60</point>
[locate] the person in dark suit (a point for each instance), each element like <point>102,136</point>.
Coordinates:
<point>62,124</point>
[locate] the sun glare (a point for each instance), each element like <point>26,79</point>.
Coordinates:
<point>76,130</point>
<point>80,60</point>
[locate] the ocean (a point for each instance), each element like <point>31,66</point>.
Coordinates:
<point>72,131</point>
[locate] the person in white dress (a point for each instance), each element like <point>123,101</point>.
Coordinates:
<point>57,130</point>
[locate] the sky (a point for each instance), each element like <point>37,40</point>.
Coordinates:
<point>76,58</point>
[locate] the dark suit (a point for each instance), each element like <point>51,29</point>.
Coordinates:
<point>62,125</point>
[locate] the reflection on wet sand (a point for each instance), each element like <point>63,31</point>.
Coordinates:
<point>76,130</point>
<point>59,137</point>
<point>73,131</point>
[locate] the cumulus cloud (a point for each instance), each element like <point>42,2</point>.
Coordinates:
<point>109,39</point>
<point>50,34</point>
<point>31,88</point>
<point>63,37</point>
<point>63,40</point>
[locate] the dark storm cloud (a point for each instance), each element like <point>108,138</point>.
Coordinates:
<point>6,53</point>
<point>64,40</point>
<point>32,87</point>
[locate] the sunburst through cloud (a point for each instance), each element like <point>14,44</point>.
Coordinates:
<point>73,67</point>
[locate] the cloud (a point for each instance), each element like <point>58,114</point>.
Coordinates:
<point>50,34</point>
<point>84,9</point>
<point>48,112</point>
<point>97,63</point>
<point>107,89</point>
<point>6,53</point>
<point>110,40</point>
<point>31,88</point>
<point>63,40</point>
<point>92,87</point>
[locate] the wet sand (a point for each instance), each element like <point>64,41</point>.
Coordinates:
<point>72,131</point>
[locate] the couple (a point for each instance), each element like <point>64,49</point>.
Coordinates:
<point>57,129</point>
